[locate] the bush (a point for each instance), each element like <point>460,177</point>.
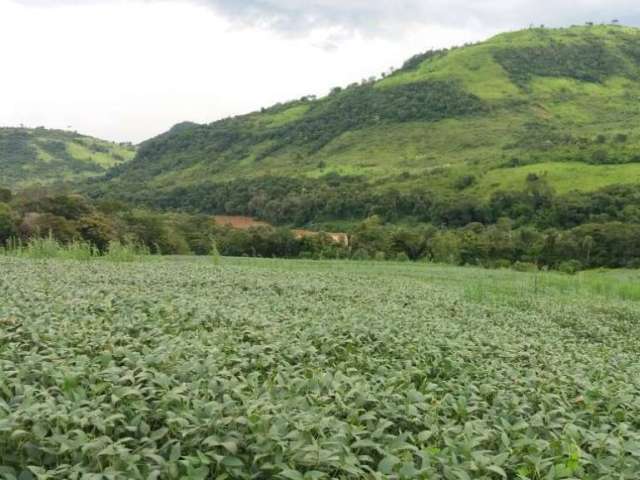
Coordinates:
<point>465,181</point>
<point>8,222</point>
<point>402,257</point>
<point>633,264</point>
<point>501,263</point>
<point>525,267</point>
<point>570,267</point>
<point>5,195</point>
<point>600,157</point>
<point>360,254</point>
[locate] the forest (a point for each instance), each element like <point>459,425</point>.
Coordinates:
<point>529,229</point>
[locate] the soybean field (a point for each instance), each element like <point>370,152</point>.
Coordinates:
<point>257,369</point>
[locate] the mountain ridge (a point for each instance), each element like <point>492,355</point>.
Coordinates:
<point>555,103</point>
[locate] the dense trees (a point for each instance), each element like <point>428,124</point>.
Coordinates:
<point>8,222</point>
<point>531,228</point>
<point>611,244</point>
<point>417,60</point>
<point>300,201</point>
<point>589,61</point>
<point>71,217</point>
<point>364,105</point>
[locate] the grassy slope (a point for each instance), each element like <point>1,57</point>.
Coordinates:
<point>550,114</point>
<point>31,156</point>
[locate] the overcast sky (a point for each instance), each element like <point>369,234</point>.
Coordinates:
<point>127,70</point>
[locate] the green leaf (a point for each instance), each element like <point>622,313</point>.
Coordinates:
<point>232,462</point>
<point>230,446</point>
<point>314,475</point>
<point>158,434</point>
<point>176,453</point>
<point>291,474</point>
<point>387,464</point>
<point>498,470</point>
<point>8,473</point>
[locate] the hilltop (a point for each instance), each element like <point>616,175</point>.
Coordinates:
<point>554,104</point>
<point>41,156</point>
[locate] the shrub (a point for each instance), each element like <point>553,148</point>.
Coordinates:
<point>5,195</point>
<point>402,257</point>
<point>600,157</point>
<point>570,267</point>
<point>633,264</point>
<point>525,267</point>
<point>360,254</point>
<point>380,256</point>
<point>501,263</point>
<point>465,181</point>
<point>8,221</point>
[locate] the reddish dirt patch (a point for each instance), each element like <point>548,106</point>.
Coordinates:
<point>244,223</point>
<point>239,222</point>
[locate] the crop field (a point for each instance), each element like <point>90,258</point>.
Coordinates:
<point>257,369</point>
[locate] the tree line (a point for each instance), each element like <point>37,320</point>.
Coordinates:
<point>304,201</point>
<point>601,232</point>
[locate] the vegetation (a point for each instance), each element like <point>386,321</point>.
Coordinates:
<point>49,248</point>
<point>32,156</point>
<point>522,150</point>
<point>531,227</point>
<point>294,370</point>
<point>518,154</point>
<point>590,61</point>
<point>363,105</point>
<point>460,120</point>
<point>283,200</point>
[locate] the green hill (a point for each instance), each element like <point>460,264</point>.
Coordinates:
<point>41,156</point>
<point>558,106</point>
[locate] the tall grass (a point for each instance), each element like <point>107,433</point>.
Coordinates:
<point>125,252</point>
<point>48,247</point>
<point>518,288</point>
<point>481,285</point>
<point>215,253</point>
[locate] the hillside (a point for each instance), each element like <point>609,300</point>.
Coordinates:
<point>554,107</point>
<point>41,156</point>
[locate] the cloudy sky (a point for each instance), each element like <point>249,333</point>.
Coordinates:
<point>127,70</point>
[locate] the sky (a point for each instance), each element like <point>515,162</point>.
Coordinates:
<point>127,70</point>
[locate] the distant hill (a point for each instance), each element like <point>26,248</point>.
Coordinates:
<point>557,104</point>
<point>41,156</point>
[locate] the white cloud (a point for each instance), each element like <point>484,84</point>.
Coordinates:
<point>130,69</point>
<point>385,16</point>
